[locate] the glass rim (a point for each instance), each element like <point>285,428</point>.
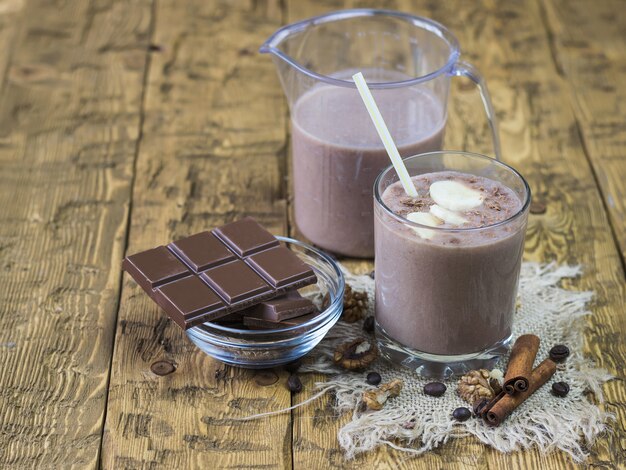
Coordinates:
<point>405,221</point>
<point>271,44</point>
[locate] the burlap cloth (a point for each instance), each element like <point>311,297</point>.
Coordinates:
<point>416,423</point>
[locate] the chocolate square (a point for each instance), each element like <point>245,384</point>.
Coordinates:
<point>280,266</point>
<point>187,297</point>
<point>246,236</point>
<point>235,281</point>
<point>202,251</point>
<point>154,267</point>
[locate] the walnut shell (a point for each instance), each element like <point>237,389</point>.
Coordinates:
<point>475,385</point>
<point>355,355</point>
<point>394,387</point>
<point>376,399</point>
<point>354,304</point>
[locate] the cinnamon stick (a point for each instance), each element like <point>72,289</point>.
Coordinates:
<point>521,364</point>
<point>506,403</point>
<point>488,406</point>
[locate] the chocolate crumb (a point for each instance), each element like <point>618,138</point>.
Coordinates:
<point>369,324</point>
<point>411,202</point>
<point>294,384</point>
<point>494,205</point>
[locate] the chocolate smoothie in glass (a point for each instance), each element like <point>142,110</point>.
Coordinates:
<point>448,261</point>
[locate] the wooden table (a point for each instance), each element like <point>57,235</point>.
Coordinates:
<point>126,124</point>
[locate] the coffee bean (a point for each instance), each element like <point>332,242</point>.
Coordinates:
<point>293,367</point>
<point>373,378</point>
<point>372,274</point>
<point>368,324</point>
<point>479,405</point>
<point>537,207</point>
<point>435,389</point>
<point>559,353</point>
<point>294,384</point>
<point>560,389</point>
<point>462,414</point>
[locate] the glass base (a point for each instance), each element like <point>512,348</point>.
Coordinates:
<point>435,365</point>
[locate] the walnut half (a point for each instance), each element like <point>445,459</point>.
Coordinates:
<point>475,385</point>
<point>355,355</point>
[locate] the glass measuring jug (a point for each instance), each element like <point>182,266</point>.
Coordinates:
<point>407,61</point>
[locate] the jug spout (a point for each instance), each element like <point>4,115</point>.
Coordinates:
<point>391,48</point>
<point>285,47</point>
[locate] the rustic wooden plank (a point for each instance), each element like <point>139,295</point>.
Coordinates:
<point>10,19</point>
<point>69,120</point>
<point>508,42</point>
<point>589,46</point>
<point>212,150</point>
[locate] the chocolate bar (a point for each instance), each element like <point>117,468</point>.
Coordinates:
<point>212,274</point>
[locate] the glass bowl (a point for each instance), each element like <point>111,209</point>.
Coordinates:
<point>257,349</point>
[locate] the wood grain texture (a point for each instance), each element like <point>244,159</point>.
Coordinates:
<point>509,43</point>
<point>589,48</point>
<point>212,150</point>
<point>10,20</point>
<point>69,122</point>
<point>201,139</point>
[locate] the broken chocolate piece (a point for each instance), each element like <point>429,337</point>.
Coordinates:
<point>281,308</point>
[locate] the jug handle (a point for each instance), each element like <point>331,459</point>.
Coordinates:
<point>465,69</point>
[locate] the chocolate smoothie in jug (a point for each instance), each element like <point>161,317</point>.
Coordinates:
<point>447,292</point>
<point>338,155</point>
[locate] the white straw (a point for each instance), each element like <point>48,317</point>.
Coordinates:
<point>384,134</point>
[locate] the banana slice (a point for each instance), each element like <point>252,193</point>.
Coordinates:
<point>424,218</point>
<point>444,214</point>
<point>455,196</point>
